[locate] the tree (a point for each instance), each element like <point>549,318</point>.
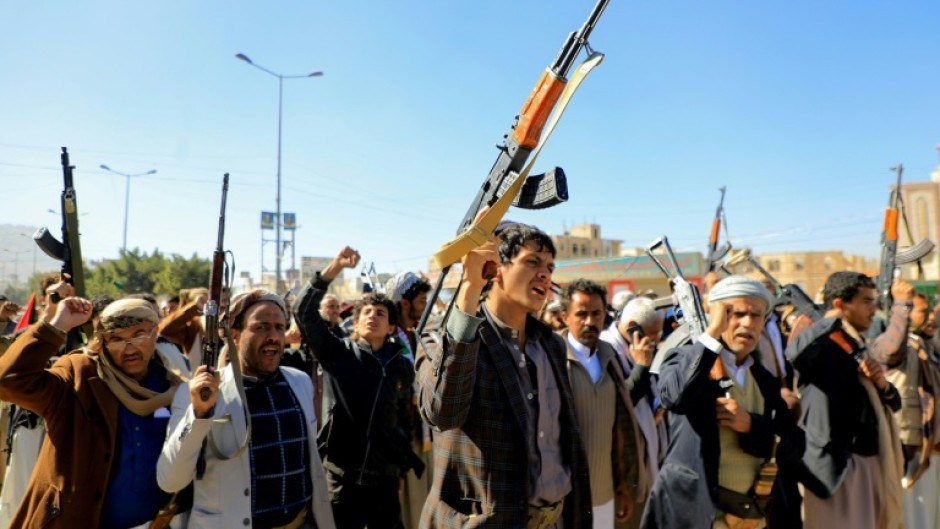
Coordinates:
<point>135,271</point>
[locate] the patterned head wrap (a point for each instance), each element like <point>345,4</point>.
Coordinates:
<point>126,312</point>
<point>241,303</point>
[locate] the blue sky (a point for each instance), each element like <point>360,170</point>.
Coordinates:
<point>798,107</point>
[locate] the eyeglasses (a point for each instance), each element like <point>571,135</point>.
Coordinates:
<point>118,346</point>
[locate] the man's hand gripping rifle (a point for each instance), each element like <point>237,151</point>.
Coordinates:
<point>68,251</point>
<point>508,181</point>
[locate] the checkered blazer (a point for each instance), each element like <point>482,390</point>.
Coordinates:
<point>468,392</point>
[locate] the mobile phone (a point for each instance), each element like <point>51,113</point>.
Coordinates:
<point>634,329</point>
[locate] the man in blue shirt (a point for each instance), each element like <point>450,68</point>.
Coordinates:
<point>106,408</point>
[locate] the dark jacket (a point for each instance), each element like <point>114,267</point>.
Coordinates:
<point>838,419</point>
<point>685,494</point>
<point>469,392</point>
<point>367,398</point>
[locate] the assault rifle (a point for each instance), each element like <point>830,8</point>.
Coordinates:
<point>891,258</point>
<point>68,251</point>
<point>212,342</point>
<point>716,254</point>
<point>539,191</point>
<point>685,298</point>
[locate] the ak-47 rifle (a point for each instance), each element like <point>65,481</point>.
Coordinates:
<point>716,254</point>
<point>69,250</point>
<point>212,342</point>
<point>891,258</point>
<point>538,191</point>
<point>689,312</point>
<point>685,298</point>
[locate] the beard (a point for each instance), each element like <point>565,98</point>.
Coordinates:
<point>588,336</point>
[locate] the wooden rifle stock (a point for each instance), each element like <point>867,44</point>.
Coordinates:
<point>889,243</point>
<point>523,137</point>
<point>212,342</point>
<point>714,254</point>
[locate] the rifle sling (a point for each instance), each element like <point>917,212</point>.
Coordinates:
<point>481,230</point>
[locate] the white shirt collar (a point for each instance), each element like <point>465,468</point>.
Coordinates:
<point>737,372</point>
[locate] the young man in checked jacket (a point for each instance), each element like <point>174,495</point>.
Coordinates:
<point>509,450</point>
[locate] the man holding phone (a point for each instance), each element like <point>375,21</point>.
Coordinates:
<point>634,337</point>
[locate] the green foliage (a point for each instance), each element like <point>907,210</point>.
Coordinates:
<point>136,272</point>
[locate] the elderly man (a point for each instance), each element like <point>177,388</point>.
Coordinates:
<point>634,337</point>
<point>604,408</point>
<point>851,465</point>
<point>263,476</point>
<point>329,311</point>
<point>106,411</point>
<point>726,411</point>
<point>507,446</point>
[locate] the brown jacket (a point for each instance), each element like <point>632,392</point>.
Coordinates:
<point>182,327</point>
<point>68,484</point>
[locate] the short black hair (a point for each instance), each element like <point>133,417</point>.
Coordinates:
<point>420,287</point>
<point>584,286</point>
<point>844,286</point>
<point>99,303</point>
<point>514,236</point>
<point>375,298</point>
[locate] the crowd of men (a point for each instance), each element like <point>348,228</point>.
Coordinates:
<point>531,405</point>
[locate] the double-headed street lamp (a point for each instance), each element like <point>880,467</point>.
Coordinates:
<point>280,95</point>
<point>127,195</point>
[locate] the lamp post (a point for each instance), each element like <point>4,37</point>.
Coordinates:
<point>127,195</point>
<point>280,96</point>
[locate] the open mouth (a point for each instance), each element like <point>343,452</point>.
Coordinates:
<point>270,350</point>
<point>538,291</point>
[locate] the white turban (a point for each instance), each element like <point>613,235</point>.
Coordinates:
<point>741,287</point>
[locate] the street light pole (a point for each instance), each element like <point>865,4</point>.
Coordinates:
<point>280,100</point>
<point>127,196</point>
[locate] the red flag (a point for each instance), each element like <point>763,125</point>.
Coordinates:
<point>28,315</point>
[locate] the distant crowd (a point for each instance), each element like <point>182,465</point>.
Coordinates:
<point>522,403</point>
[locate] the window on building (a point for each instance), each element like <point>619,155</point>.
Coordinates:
<point>574,249</point>
<point>798,265</point>
<point>773,265</point>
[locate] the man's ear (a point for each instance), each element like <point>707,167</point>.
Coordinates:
<point>235,334</point>
<point>564,317</point>
<point>837,304</point>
